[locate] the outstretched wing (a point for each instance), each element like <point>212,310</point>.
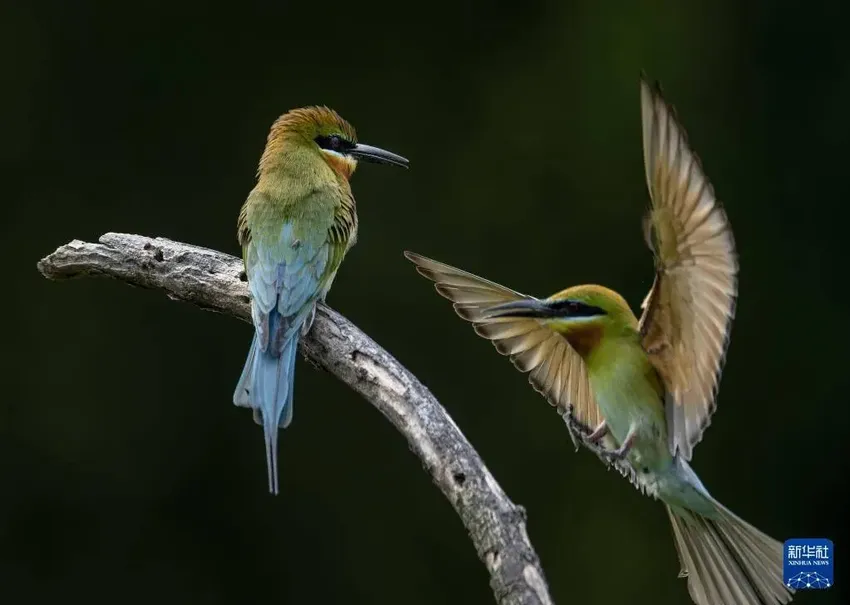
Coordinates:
<point>688,313</point>
<point>557,371</point>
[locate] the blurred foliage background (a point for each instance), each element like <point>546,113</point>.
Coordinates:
<point>126,472</point>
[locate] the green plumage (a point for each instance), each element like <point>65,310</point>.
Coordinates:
<point>642,392</point>
<point>295,228</point>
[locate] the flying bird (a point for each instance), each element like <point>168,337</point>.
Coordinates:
<point>295,228</point>
<point>641,392</point>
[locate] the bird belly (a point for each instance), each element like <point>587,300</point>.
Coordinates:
<point>627,401</point>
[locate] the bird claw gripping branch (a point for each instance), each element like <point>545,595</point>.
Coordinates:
<point>580,432</point>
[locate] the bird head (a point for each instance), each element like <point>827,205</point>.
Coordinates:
<point>312,133</point>
<point>583,314</point>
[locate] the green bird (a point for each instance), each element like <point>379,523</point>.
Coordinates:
<point>295,228</point>
<point>640,393</point>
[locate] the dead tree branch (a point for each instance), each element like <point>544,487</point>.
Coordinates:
<point>215,281</point>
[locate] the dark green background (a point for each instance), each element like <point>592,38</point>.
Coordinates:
<point>129,477</point>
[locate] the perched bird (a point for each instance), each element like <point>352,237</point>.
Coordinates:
<point>640,393</point>
<point>295,228</point>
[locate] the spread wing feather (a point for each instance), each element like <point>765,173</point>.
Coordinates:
<point>687,315</point>
<point>555,369</point>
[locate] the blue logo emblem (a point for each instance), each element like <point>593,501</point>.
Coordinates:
<point>809,563</point>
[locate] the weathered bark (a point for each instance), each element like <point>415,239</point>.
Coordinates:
<point>215,281</point>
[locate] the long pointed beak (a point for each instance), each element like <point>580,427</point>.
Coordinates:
<point>528,307</point>
<point>377,155</point>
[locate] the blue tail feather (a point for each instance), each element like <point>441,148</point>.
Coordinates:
<point>241,396</point>
<point>288,407</point>
<point>271,435</point>
<point>266,385</point>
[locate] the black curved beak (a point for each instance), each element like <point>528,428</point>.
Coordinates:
<point>528,308</point>
<point>377,155</point>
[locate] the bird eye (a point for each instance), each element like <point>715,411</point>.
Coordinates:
<point>574,308</point>
<point>332,142</point>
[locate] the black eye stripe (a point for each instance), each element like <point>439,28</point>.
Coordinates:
<point>333,142</point>
<point>574,308</point>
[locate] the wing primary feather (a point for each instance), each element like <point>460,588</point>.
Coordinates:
<point>688,313</point>
<point>555,370</point>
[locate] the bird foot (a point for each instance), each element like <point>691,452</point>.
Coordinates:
<point>578,430</point>
<point>590,438</point>
<point>308,323</point>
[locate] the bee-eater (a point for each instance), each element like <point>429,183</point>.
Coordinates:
<point>295,228</point>
<point>642,392</point>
